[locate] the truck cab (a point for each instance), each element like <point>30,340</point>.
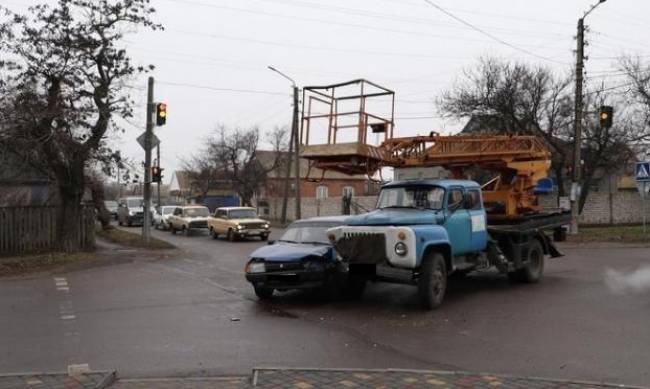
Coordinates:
<point>423,231</point>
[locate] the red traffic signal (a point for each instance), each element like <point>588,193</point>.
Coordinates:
<point>161,114</point>
<point>156,174</point>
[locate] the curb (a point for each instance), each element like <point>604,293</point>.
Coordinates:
<point>110,376</point>
<point>256,371</point>
<point>109,379</point>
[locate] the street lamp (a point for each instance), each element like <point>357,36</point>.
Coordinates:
<point>577,160</point>
<point>294,144</point>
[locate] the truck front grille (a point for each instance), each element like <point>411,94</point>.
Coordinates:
<point>362,247</point>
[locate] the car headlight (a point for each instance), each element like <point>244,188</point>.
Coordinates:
<point>266,226</point>
<point>401,249</point>
<point>131,213</point>
<point>255,267</point>
<point>240,227</point>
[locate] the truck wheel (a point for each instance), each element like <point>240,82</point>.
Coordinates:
<point>263,292</point>
<point>534,269</point>
<point>432,283</point>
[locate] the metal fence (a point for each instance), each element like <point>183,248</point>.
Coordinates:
<point>28,229</point>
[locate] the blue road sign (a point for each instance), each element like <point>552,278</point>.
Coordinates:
<point>642,171</point>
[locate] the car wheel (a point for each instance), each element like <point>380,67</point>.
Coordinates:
<point>129,223</point>
<point>172,229</point>
<point>213,233</point>
<point>263,292</point>
<point>264,237</point>
<point>534,269</point>
<point>432,283</point>
<point>185,231</point>
<point>119,223</point>
<point>231,236</point>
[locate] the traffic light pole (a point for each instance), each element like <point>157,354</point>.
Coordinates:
<point>296,134</point>
<point>146,221</point>
<point>160,180</point>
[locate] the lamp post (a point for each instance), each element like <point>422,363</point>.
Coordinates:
<point>577,159</point>
<point>294,149</point>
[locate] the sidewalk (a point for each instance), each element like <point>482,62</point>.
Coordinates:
<point>280,378</point>
<point>91,380</point>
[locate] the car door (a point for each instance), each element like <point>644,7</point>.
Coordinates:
<point>222,220</point>
<point>176,217</point>
<point>458,222</point>
<point>478,218</point>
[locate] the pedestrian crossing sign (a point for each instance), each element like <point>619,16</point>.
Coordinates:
<point>642,171</point>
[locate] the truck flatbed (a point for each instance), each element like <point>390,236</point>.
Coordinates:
<point>547,220</point>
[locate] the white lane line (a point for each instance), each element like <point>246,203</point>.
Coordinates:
<point>68,317</point>
<point>60,279</point>
<point>63,289</point>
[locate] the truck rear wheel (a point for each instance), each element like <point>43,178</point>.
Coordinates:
<point>532,272</point>
<point>432,283</point>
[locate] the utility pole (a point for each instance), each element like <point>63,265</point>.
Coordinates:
<point>577,158</point>
<point>296,134</point>
<point>294,152</point>
<point>146,223</point>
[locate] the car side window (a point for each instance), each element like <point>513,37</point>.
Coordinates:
<point>221,214</point>
<point>455,198</point>
<point>178,211</point>
<point>474,200</point>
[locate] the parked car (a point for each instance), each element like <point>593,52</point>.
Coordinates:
<point>111,207</point>
<point>161,216</point>
<point>303,258</point>
<point>238,222</point>
<point>188,217</point>
<point>130,211</point>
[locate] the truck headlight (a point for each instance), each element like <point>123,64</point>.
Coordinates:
<point>401,249</point>
<point>255,267</point>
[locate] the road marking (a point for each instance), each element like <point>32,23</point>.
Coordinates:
<point>68,317</point>
<point>63,289</point>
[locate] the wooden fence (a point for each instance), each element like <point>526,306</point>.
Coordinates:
<point>33,229</point>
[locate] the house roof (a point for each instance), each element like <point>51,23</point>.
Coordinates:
<point>180,180</point>
<point>267,158</point>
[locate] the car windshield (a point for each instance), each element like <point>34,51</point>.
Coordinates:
<point>429,197</point>
<point>196,212</point>
<point>110,204</point>
<point>167,210</point>
<point>243,214</point>
<point>135,203</point>
<point>307,233</point>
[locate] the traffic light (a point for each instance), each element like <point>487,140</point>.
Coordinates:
<point>161,114</point>
<point>606,116</point>
<point>156,174</point>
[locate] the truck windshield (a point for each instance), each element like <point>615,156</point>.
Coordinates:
<point>429,197</point>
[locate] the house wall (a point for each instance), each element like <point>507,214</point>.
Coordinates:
<point>275,187</point>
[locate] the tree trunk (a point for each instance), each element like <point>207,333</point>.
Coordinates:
<point>584,192</point>
<point>559,176</point>
<point>69,220</point>
<point>97,192</point>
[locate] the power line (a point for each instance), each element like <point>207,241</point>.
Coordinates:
<point>180,84</point>
<point>489,35</point>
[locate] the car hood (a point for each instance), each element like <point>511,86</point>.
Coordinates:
<point>196,218</point>
<point>396,216</point>
<point>251,220</point>
<point>287,252</point>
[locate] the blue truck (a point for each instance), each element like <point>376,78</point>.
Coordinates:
<point>424,231</point>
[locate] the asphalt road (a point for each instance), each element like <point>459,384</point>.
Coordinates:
<point>193,313</point>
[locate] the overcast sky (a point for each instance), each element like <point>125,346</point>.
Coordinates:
<point>406,45</point>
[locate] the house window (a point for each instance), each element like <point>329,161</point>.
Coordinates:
<point>321,192</point>
<point>348,191</point>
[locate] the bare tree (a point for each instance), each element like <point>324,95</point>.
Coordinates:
<point>64,71</point>
<point>231,156</point>
<point>521,99</point>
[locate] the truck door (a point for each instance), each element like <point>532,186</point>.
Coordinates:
<point>458,222</point>
<point>478,220</point>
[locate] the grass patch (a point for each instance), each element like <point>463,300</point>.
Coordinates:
<point>622,234</point>
<point>130,239</point>
<point>12,266</point>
